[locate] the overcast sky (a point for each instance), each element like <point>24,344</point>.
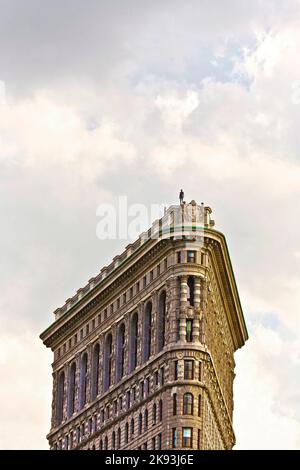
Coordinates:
<point>100,99</point>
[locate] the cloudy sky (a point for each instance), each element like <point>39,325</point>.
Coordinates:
<point>100,99</point>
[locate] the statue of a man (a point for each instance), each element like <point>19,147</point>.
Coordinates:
<point>181,196</point>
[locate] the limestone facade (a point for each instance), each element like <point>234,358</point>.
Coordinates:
<point>144,354</point>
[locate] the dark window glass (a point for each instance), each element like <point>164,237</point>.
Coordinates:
<point>174,438</point>
<point>188,403</point>
<point>175,370</point>
<point>190,291</point>
<point>174,404</point>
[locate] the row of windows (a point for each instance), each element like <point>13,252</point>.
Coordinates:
<point>187,404</point>
<point>143,423</point>
<point>126,296</point>
<point>131,395</point>
<point>108,359</point>
<point>156,442</point>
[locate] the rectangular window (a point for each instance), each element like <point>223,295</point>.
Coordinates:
<point>151,275</point>
<point>175,370</point>
<point>124,298</point>
<point>144,281</point>
<point>202,258</point>
<point>137,287</point>
<point>131,292</point>
<point>187,437</point>
<point>158,269</point>
<point>145,446</point>
<point>112,309</point>
<point>120,403</point>
<point>87,329</point>
<point>178,256</point>
<point>70,344</point>
<point>142,389</point>
<point>81,334</point>
<point>93,323</point>
<point>189,331</point>
<point>64,347</point>
<point>156,377</point>
<point>90,425</point>
<point>115,407</point>
<point>147,386</point>
<point>166,264</point>
<point>200,371</point>
<point>128,399</point>
<point>174,404</point>
<point>188,370</point>
<point>159,439</point>
<point>199,440</point>
<point>105,314</point>
<point>162,376</point>
<point>174,438</point>
<point>199,405</point>
<point>153,443</point>
<point>118,303</point>
<point>191,257</point>
<point>133,394</point>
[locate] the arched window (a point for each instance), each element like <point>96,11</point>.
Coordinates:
<point>105,443</point>
<point>147,332</point>
<point>132,427</point>
<point>113,440</point>
<point>119,438</point>
<point>95,371</point>
<point>120,352</point>
<point>133,342</point>
<point>190,291</point>
<point>160,410</point>
<point>101,445</point>
<point>188,404</point>
<point>154,414</point>
<point>60,398</point>
<point>72,389</point>
<point>126,433</point>
<point>107,362</point>
<point>199,405</point>
<point>83,379</point>
<point>161,324</point>
<point>140,423</point>
<point>146,420</point>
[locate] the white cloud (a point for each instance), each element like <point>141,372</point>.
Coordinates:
<point>146,113</point>
<point>26,384</point>
<point>264,416</point>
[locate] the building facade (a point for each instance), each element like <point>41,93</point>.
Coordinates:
<point>144,353</point>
